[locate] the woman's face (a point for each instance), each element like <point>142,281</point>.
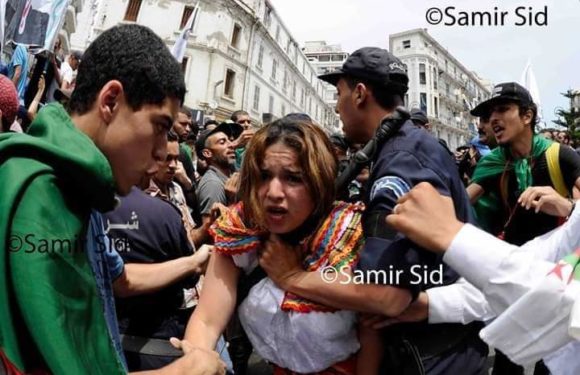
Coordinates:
<point>283,193</point>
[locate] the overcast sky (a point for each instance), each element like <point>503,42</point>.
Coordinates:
<point>497,53</point>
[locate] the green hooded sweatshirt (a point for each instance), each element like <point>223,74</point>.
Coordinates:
<point>51,315</point>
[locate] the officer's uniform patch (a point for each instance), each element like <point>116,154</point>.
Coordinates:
<point>393,183</point>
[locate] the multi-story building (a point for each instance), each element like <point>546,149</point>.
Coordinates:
<point>440,85</point>
<point>240,55</point>
<point>325,59</point>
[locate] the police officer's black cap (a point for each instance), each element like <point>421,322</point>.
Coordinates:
<point>374,64</point>
<point>419,116</point>
<point>339,141</point>
<point>231,129</point>
<point>508,91</point>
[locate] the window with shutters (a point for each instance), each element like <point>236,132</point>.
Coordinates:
<point>184,64</point>
<point>236,36</point>
<point>423,99</point>
<point>132,10</point>
<point>256,104</point>
<point>187,11</point>
<point>260,56</point>
<point>285,82</point>
<point>435,78</point>
<point>422,74</point>
<point>274,66</point>
<point>229,85</point>
<point>267,16</point>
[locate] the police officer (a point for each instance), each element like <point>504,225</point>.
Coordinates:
<point>371,84</point>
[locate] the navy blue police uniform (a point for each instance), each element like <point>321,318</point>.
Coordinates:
<point>403,161</point>
<point>411,157</point>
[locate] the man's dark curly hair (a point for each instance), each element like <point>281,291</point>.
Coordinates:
<point>135,56</point>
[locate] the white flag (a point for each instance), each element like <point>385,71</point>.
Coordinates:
<point>178,50</point>
<point>2,16</point>
<point>537,324</point>
<point>528,80</point>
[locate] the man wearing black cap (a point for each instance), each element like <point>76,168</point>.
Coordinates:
<point>523,160</point>
<point>216,148</point>
<point>484,130</point>
<point>340,147</point>
<point>420,119</point>
<point>371,85</point>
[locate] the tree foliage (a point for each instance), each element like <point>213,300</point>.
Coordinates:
<point>570,118</point>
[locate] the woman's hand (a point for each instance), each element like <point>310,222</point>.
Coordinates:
<point>545,199</point>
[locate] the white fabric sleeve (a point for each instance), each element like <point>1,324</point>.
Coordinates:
<point>67,75</point>
<point>559,242</point>
<point>458,303</point>
<point>503,272</point>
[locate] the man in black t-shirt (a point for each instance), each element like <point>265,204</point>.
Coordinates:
<point>520,161</point>
<point>148,230</point>
<point>526,224</point>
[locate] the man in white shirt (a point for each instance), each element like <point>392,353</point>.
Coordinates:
<point>68,70</point>
<point>536,302</point>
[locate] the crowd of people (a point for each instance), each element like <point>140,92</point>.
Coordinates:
<point>39,79</point>
<point>136,239</point>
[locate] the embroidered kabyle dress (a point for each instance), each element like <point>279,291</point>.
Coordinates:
<point>295,334</point>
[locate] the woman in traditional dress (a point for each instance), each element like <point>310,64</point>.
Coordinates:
<point>287,196</point>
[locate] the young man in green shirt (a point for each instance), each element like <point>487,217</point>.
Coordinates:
<point>56,304</point>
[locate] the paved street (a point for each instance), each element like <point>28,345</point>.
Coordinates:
<point>258,366</point>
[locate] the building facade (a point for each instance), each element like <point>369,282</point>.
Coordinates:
<point>439,85</point>
<point>240,55</point>
<point>325,59</point>
<point>70,24</point>
<point>86,18</point>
